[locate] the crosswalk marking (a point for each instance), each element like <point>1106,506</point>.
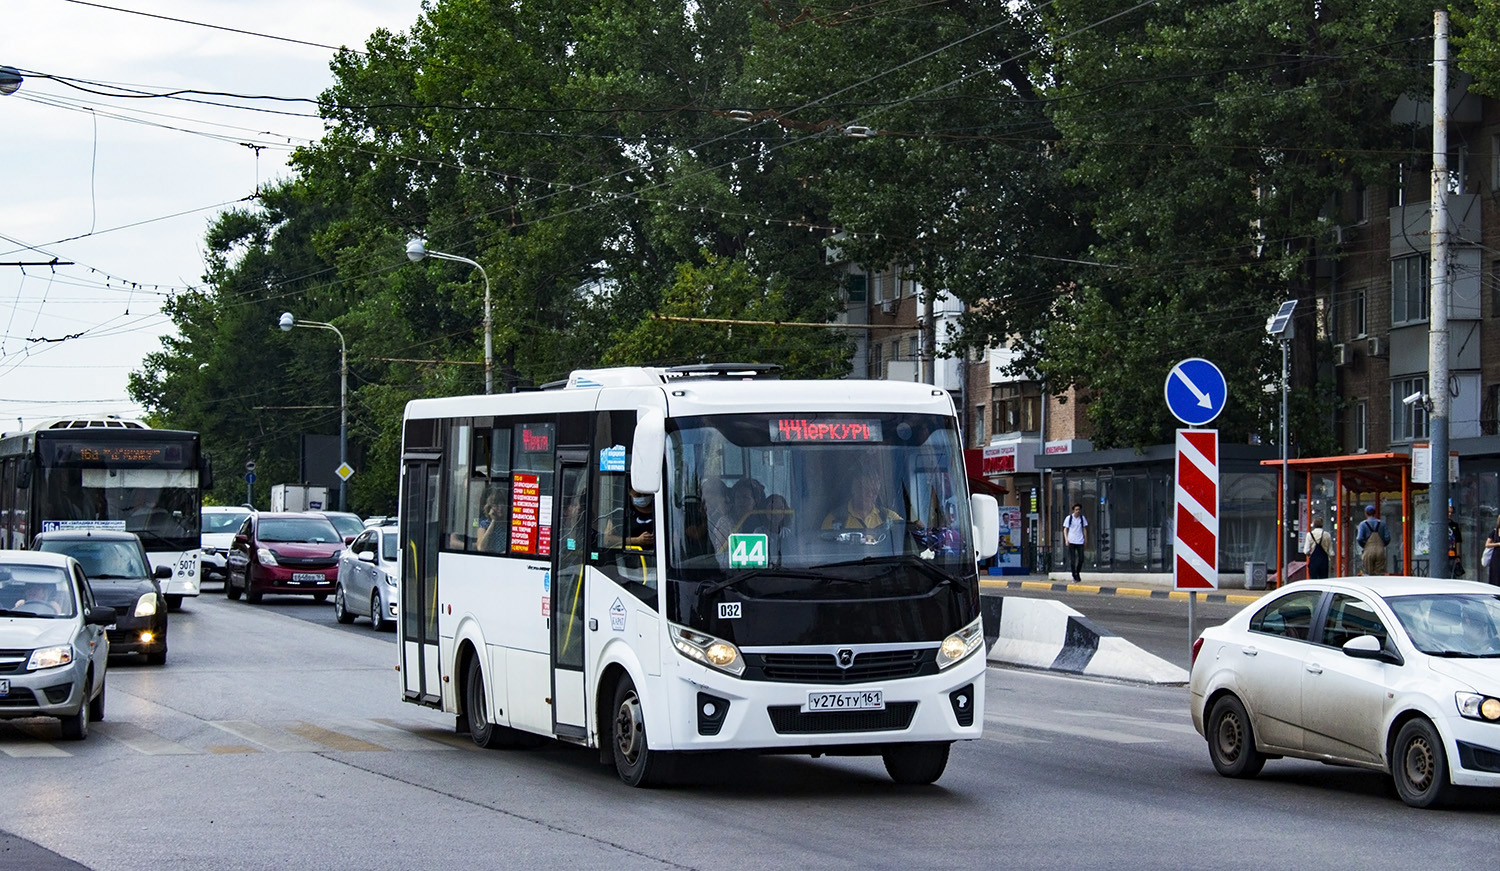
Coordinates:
<point>23,749</point>
<point>334,740</point>
<point>274,740</point>
<point>142,741</point>
<point>1110,736</point>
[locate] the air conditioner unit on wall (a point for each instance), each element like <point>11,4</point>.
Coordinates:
<point>1375,347</point>
<point>888,307</point>
<point>1342,355</point>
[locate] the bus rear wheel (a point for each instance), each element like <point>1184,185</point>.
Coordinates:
<point>916,764</point>
<point>635,761</point>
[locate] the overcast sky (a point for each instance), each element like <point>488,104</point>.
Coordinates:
<point>120,187</point>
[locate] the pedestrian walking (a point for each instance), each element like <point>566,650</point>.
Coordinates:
<point>1373,537</point>
<point>1488,561</point>
<point>1075,526</point>
<point>1317,548</point>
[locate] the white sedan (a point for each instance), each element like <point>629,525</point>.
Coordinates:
<point>1394,674</point>
<point>368,571</point>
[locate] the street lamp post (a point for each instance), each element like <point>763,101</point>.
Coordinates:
<point>1280,327</point>
<point>416,250</point>
<point>288,321</point>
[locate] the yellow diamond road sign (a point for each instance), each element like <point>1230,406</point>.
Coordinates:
<point>344,471</point>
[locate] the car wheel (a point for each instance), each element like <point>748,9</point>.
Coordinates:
<point>231,592</point>
<point>1420,765</point>
<point>252,595</point>
<point>320,598</point>
<point>481,730</point>
<point>635,761</point>
<point>96,707</point>
<point>1231,740</point>
<point>76,727</point>
<point>916,764</point>
<point>340,611</point>
<point>378,620</point>
<point>174,602</point>
<point>157,658</point>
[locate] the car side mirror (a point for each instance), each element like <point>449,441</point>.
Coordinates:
<point>241,539</point>
<point>100,615</point>
<point>348,540</point>
<point>365,556</point>
<point>1370,647</point>
<point>162,573</point>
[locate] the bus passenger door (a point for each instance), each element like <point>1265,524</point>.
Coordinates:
<point>569,560</point>
<point>420,535</point>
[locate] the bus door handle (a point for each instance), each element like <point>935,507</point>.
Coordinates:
<point>593,624</point>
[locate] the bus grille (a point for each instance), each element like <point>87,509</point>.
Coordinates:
<point>791,720</point>
<point>824,667</point>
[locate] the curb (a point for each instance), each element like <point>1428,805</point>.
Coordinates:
<point>1140,592</point>
<point>1046,634</point>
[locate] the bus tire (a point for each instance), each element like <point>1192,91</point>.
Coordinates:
<point>916,764</point>
<point>483,733</point>
<point>635,761</point>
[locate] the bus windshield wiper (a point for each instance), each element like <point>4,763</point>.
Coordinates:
<point>903,559</point>
<point>760,573</point>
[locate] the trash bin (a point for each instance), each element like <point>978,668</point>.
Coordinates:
<point>1255,576</point>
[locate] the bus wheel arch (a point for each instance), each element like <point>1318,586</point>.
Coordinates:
<point>629,739</point>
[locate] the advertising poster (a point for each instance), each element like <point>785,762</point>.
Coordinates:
<point>1009,555</point>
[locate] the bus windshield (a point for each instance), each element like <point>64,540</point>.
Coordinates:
<point>159,505</point>
<point>809,504</point>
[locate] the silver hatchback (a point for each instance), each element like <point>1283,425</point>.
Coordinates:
<point>53,650</point>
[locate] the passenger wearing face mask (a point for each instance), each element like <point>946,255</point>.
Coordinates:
<point>640,522</point>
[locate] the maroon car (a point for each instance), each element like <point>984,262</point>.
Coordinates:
<point>296,554</point>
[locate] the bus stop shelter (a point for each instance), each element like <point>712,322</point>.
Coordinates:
<point>1358,480</point>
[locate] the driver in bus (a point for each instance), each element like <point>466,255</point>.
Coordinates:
<point>862,512</point>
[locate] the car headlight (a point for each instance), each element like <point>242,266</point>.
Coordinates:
<point>959,645</point>
<point>711,651</point>
<point>49,657</point>
<point>145,606</point>
<point>265,556</point>
<point>1478,707</point>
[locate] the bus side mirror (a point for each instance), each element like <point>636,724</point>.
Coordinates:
<point>647,449</point>
<point>23,474</point>
<point>205,473</point>
<point>986,525</point>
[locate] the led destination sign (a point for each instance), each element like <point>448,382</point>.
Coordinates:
<point>803,429</point>
<point>72,453</point>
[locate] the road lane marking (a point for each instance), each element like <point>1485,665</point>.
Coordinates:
<point>1075,730</point>
<point>334,740</point>
<point>274,740</point>
<point>391,737</point>
<point>21,749</point>
<point>143,741</point>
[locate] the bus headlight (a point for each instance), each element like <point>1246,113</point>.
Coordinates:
<point>959,645</point>
<point>49,657</point>
<point>145,606</point>
<point>711,651</point>
<point>265,556</point>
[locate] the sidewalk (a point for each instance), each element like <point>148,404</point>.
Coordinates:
<point>1153,586</point>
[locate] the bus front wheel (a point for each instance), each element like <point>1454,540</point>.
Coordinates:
<point>916,764</point>
<point>636,762</point>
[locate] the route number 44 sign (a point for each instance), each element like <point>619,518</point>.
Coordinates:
<point>748,551</point>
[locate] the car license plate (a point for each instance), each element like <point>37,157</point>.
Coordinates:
<point>5,687</point>
<point>308,577</point>
<point>855,700</point>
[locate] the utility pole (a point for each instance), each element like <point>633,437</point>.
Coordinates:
<point>1437,333</point>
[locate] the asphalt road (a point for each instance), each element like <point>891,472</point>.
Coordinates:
<point>272,739</point>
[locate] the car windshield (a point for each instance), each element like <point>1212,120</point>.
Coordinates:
<point>1465,625</point>
<point>307,530</point>
<point>35,591</point>
<point>348,525</point>
<point>102,560</point>
<point>388,545</point>
<point>223,521</point>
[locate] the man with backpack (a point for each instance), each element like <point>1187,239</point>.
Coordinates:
<point>1373,536</point>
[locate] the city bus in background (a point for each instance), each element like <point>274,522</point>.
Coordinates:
<point>109,473</point>
<point>663,563</point>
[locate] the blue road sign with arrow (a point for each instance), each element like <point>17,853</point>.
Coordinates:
<point>1196,391</point>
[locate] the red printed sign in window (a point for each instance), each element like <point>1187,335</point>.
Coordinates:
<point>525,505</point>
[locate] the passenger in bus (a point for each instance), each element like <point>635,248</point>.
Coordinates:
<point>491,524</point>
<point>862,512</point>
<point>640,522</point>
<point>717,512</point>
